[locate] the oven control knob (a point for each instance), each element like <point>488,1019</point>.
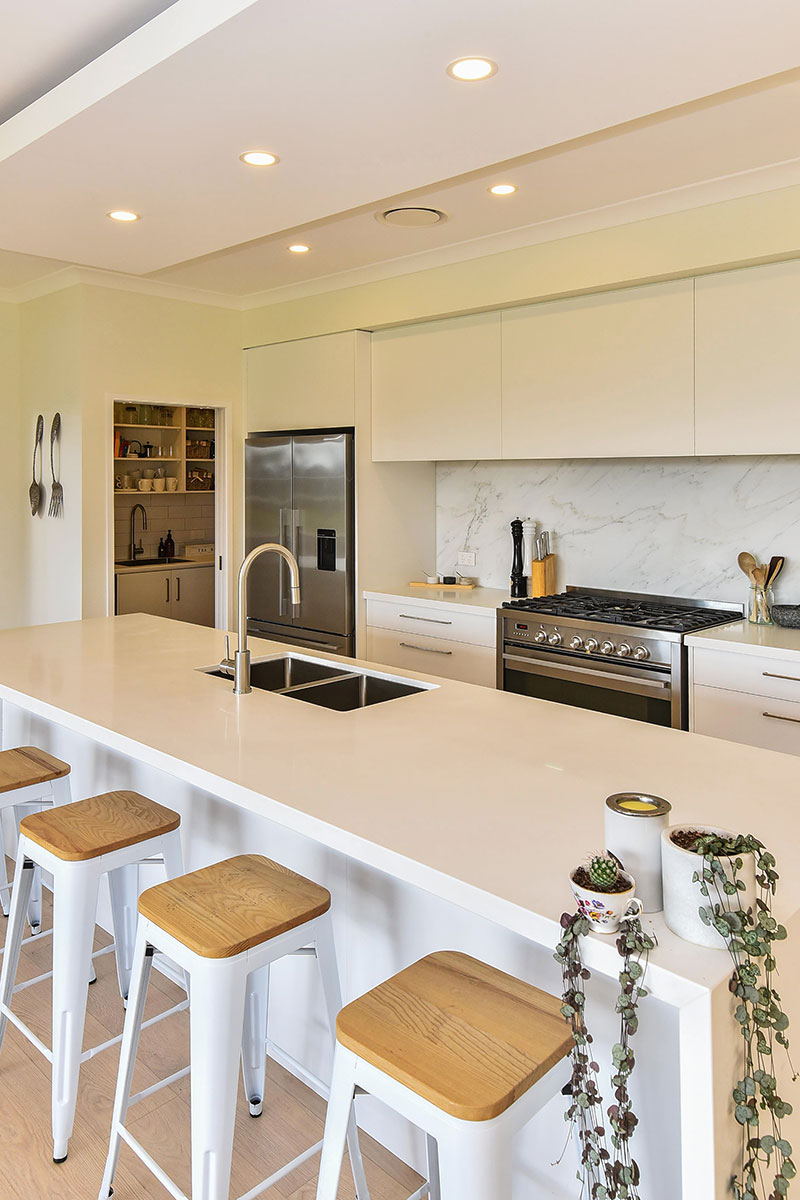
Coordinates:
<point>623,649</point>
<point>576,642</point>
<point>591,645</point>
<point>607,647</point>
<point>541,636</point>
<point>555,639</point>
<point>641,653</point>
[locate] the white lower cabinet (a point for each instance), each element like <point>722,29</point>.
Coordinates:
<point>432,656</point>
<point>747,698</point>
<point>182,595</point>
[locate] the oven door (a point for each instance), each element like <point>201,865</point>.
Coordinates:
<point>641,693</point>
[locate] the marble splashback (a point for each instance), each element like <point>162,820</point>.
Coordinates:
<point>668,526</point>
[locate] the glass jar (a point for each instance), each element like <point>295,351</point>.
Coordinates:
<point>759,605</point>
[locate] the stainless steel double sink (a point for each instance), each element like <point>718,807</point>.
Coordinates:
<point>316,681</point>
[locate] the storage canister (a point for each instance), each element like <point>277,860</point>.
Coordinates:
<point>634,824</point>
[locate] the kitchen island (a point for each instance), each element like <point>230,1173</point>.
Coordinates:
<point>445,819</point>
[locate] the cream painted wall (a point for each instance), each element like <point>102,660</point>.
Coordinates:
<point>738,232</point>
<point>13,479</point>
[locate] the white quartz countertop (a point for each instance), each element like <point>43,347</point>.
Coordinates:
<point>743,637</point>
<point>478,600</point>
<point>484,798</point>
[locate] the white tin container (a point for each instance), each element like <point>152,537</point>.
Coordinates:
<point>634,824</point>
<point>682,896</point>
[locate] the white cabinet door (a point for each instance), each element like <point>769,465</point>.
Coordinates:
<point>432,656</point>
<point>741,717</point>
<point>436,390</point>
<point>193,595</point>
<point>145,592</point>
<point>609,375</point>
<point>307,384</point>
<point>748,361</point>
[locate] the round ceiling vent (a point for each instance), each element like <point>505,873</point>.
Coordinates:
<point>412,218</point>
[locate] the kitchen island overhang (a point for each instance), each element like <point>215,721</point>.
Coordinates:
<point>477,799</point>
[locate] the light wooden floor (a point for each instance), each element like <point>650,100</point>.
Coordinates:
<point>292,1119</point>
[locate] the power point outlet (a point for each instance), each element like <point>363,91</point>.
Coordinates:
<point>466,558</point>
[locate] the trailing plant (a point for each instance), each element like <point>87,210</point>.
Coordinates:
<point>604,1176</point>
<point>750,935</point>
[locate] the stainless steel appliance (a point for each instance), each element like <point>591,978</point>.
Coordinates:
<point>299,493</point>
<point>613,652</point>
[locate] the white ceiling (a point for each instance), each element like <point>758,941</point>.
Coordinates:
<point>354,99</point>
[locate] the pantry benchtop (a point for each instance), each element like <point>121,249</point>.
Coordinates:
<point>483,798</point>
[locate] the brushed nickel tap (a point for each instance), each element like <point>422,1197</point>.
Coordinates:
<point>134,551</point>
<point>241,659</point>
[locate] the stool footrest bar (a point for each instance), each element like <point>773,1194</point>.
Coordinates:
<point>148,1160</point>
<point>26,1032</point>
<point>425,1190</point>
<point>156,1087</point>
<point>282,1173</point>
<point>296,1068</point>
<point>32,937</point>
<point>115,1041</point>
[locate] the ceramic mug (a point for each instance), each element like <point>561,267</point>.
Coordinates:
<point>145,485</point>
<point>172,485</point>
<point>148,474</point>
<point>605,910</point>
<point>158,485</point>
<point>128,482</point>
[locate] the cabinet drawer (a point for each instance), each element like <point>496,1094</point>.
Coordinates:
<point>742,717</point>
<point>432,656</point>
<point>442,622</point>
<point>754,673</point>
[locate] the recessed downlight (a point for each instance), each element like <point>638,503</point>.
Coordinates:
<point>502,189</point>
<point>122,214</point>
<point>259,158</point>
<point>410,217</point>
<point>470,70</point>
<point>299,248</point>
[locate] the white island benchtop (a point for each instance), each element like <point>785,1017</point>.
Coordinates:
<point>481,798</point>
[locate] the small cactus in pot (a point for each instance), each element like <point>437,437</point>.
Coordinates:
<point>604,892</point>
<point>603,872</point>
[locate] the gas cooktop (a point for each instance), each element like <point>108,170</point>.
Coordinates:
<point>657,613</point>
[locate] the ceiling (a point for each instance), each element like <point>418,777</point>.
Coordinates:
<point>594,108</point>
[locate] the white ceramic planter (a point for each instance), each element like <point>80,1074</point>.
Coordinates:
<point>682,897</point>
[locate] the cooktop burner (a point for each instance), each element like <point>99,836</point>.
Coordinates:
<point>617,610</point>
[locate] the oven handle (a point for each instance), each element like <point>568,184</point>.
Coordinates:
<point>619,683</point>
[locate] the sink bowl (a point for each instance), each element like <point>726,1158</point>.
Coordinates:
<point>278,674</point>
<point>149,562</point>
<point>354,691</point>
<point>318,682</point>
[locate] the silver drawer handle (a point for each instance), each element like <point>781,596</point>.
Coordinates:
<point>424,649</point>
<point>772,675</point>
<point>777,717</point>
<point>430,620</point>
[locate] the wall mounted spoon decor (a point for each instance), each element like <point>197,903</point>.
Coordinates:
<point>35,490</point>
<point>57,497</point>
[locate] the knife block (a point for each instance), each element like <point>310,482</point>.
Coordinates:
<point>543,576</point>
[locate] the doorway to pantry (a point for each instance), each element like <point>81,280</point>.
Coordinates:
<point>168,532</point>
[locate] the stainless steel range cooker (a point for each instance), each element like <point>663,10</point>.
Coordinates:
<point>613,652</point>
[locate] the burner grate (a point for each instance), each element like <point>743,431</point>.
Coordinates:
<point>615,610</point>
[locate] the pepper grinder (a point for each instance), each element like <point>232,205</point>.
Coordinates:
<point>519,580</point>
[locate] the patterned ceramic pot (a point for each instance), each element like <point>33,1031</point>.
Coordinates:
<point>605,910</point>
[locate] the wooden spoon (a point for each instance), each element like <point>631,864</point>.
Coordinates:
<point>747,563</point>
<point>776,564</point>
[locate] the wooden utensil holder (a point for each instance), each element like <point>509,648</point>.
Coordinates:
<point>543,576</point>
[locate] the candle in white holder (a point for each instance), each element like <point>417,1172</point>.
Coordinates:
<point>634,822</point>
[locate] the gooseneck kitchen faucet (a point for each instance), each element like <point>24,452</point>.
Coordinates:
<point>241,659</point>
<point>137,508</point>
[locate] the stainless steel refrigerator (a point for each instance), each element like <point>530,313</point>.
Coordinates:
<point>299,491</point>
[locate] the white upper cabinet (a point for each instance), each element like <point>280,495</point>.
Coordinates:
<point>602,376</point>
<point>748,361</point>
<point>307,384</point>
<point>436,390</point>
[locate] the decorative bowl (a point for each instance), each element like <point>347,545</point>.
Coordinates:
<point>787,615</point>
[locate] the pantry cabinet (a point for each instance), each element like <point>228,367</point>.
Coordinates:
<point>748,361</point>
<point>603,376</point>
<point>182,595</point>
<point>436,390</point>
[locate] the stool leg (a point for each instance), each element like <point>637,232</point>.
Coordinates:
<point>475,1163</point>
<point>216,1019</point>
<point>123,884</point>
<point>326,957</point>
<point>173,854</point>
<point>432,1159</point>
<point>4,889</point>
<point>254,1037</point>
<point>15,932</point>
<point>35,901</point>
<point>140,978</point>
<point>74,911</point>
<point>337,1122</point>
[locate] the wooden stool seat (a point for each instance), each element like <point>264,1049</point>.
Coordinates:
<point>99,825</point>
<point>461,1034</point>
<point>231,906</point>
<point>28,765</point>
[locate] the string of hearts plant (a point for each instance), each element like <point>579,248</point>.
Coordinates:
<point>604,1175</point>
<point>749,935</point>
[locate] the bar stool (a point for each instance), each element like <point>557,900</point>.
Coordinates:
<point>224,925</point>
<point>464,1051</point>
<point>29,777</point>
<point>109,834</point>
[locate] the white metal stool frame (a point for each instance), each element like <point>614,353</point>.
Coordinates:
<point>228,1014</point>
<point>25,800</point>
<point>467,1160</point>
<point>75,891</point>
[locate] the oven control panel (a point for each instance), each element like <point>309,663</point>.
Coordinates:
<point>618,644</point>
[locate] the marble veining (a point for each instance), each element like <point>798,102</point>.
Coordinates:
<point>668,526</point>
